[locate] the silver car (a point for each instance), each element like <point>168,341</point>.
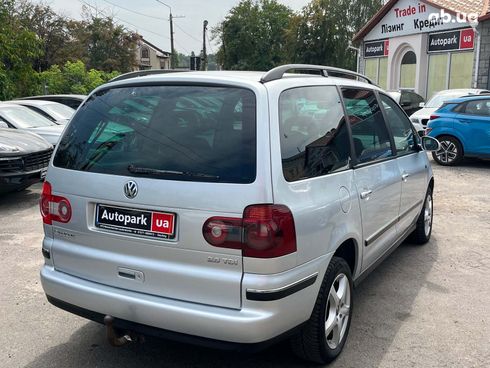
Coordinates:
<point>56,112</point>
<point>20,117</point>
<point>231,209</point>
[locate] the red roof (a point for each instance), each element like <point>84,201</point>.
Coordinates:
<point>481,7</point>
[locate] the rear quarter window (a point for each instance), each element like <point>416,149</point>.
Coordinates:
<point>314,137</point>
<point>193,133</point>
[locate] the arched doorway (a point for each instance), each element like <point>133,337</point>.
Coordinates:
<point>408,69</point>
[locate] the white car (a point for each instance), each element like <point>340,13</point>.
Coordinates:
<point>420,118</point>
<point>20,117</point>
<point>54,111</point>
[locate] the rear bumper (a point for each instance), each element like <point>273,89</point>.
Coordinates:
<point>256,322</point>
<point>145,330</point>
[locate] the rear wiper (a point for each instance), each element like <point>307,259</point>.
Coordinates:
<point>149,171</point>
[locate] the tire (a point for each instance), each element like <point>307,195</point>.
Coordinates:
<point>313,343</point>
<point>421,234</point>
<point>451,152</point>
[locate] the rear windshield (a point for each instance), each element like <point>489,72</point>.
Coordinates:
<point>193,133</point>
<point>59,110</point>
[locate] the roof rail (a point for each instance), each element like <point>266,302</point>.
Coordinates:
<point>142,73</point>
<point>325,71</point>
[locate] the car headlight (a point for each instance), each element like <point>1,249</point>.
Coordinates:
<point>8,148</point>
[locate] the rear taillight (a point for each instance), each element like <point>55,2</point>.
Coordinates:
<point>265,231</point>
<point>434,117</point>
<point>53,208</point>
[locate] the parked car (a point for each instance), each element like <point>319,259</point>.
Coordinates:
<point>237,221</point>
<point>54,111</point>
<point>408,100</point>
<point>463,128</point>
<point>72,101</point>
<point>24,159</point>
<point>421,117</point>
<point>19,117</point>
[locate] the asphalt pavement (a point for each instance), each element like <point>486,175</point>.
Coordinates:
<point>425,306</point>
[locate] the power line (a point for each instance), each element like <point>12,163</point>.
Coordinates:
<point>182,48</point>
<point>188,34</point>
<point>134,11</point>
<point>125,21</point>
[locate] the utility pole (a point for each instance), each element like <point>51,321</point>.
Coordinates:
<point>173,58</point>
<point>204,64</point>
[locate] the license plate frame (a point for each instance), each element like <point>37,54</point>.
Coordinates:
<point>134,221</point>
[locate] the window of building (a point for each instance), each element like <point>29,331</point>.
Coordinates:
<point>449,70</point>
<point>408,70</point>
<point>376,69</point>
<point>461,71</point>
<point>145,53</point>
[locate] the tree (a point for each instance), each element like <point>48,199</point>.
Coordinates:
<point>73,77</point>
<point>51,29</point>
<point>253,35</point>
<point>107,46</point>
<point>18,49</point>
<point>324,30</point>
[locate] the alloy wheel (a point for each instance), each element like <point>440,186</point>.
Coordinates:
<point>337,311</point>
<point>448,152</point>
<point>428,215</point>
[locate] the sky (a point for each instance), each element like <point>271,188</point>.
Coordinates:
<point>152,20</point>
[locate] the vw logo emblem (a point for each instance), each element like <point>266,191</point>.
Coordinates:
<point>130,189</point>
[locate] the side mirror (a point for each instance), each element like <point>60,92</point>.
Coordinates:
<point>430,143</point>
<point>3,124</point>
<point>422,104</point>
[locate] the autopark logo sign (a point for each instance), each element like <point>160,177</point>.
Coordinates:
<point>463,39</point>
<point>376,49</point>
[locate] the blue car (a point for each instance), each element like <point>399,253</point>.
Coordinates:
<point>462,126</point>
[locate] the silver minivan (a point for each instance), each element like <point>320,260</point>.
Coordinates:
<point>231,209</point>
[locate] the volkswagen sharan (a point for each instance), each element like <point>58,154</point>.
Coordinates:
<point>231,209</point>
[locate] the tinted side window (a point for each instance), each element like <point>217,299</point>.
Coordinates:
<point>405,99</point>
<point>369,132</point>
<point>478,107</point>
<point>416,99</point>
<point>314,138</point>
<point>401,128</point>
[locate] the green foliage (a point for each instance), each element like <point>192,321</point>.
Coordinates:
<point>73,78</point>
<point>18,49</point>
<point>106,45</point>
<point>51,29</point>
<point>260,34</point>
<point>325,28</point>
<point>253,35</point>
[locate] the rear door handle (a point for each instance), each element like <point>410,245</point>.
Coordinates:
<point>405,176</point>
<point>366,194</point>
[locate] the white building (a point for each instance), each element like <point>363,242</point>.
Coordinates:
<point>427,46</point>
<point>148,56</point>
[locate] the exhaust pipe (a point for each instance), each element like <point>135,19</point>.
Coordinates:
<point>118,341</point>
